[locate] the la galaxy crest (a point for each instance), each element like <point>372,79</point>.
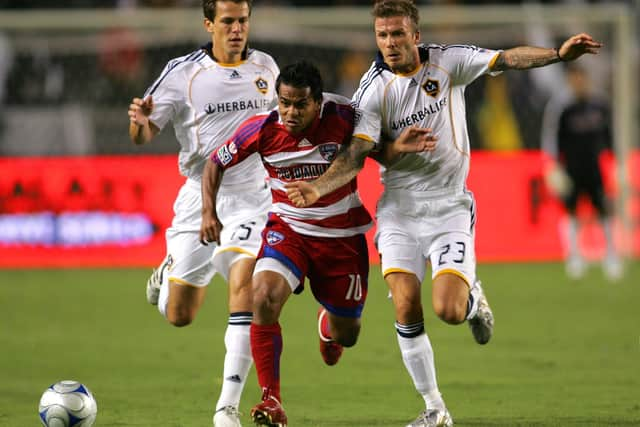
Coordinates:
<point>328,151</point>
<point>262,85</point>
<point>432,87</point>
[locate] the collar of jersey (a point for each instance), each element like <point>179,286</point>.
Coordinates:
<point>208,47</point>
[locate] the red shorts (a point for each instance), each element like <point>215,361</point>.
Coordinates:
<point>337,268</point>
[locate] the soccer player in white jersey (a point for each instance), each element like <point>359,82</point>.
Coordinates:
<point>426,213</point>
<point>206,94</point>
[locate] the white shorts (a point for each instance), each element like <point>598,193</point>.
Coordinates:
<point>412,231</point>
<point>243,215</point>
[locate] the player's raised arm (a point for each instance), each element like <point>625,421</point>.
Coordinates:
<point>525,57</point>
<point>211,227</point>
<point>344,168</point>
<point>141,130</point>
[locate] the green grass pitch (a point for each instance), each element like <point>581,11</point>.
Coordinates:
<point>563,353</point>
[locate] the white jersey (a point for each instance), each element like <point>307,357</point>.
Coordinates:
<point>206,101</point>
<point>433,97</point>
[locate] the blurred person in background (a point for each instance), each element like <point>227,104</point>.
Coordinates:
<point>206,94</point>
<point>426,214</point>
<point>576,129</point>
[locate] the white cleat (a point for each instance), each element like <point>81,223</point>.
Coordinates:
<point>482,323</point>
<point>433,418</point>
<point>155,281</point>
<point>226,417</point>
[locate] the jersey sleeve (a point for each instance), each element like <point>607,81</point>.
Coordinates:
<point>469,62</point>
<point>367,102</point>
<point>244,142</point>
<point>168,95</point>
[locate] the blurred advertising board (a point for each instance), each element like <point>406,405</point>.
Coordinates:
<point>113,210</point>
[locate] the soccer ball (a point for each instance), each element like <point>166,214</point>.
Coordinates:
<point>67,404</point>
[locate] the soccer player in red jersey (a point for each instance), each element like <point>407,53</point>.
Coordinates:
<point>324,242</point>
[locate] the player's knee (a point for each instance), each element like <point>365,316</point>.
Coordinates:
<point>408,308</point>
<point>180,317</point>
<point>347,338</point>
<point>266,303</point>
<point>451,311</point>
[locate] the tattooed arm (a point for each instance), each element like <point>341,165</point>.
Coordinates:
<point>345,167</point>
<point>525,57</point>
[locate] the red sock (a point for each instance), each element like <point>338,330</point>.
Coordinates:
<point>266,348</point>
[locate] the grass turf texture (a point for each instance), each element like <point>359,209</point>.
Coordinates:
<point>563,354</point>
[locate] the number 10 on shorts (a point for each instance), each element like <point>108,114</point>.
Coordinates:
<point>355,288</point>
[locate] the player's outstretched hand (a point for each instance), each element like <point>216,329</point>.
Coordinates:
<point>302,193</point>
<point>415,140</point>
<point>140,109</point>
<point>210,229</point>
<point>576,46</point>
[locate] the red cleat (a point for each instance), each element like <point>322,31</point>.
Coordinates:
<point>269,413</point>
<point>329,349</point>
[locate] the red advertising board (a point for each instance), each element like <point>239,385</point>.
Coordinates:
<point>112,211</point>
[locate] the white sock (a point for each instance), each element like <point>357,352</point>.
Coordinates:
<point>417,356</point>
<point>163,296</point>
<point>608,235</point>
<point>572,236</point>
<point>237,360</point>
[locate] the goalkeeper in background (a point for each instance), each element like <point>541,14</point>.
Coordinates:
<point>576,129</point>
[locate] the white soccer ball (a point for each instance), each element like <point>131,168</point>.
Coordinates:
<point>67,404</point>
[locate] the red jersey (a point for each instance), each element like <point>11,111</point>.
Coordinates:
<point>302,157</point>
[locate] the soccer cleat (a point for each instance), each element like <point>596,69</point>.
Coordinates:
<point>482,323</point>
<point>227,417</point>
<point>329,349</point>
<point>433,418</point>
<point>269,413</point>
<point>155,281</point>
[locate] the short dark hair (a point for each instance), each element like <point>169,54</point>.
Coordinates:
<point>389,8</point>
<point>209,7</point>
<point>301,74</point>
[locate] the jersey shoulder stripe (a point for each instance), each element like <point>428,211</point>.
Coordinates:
<point>195,56</point>
<point>374,72</point>
<point>445,47</point>
<point>343,111</point>
<point>250,128</point>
